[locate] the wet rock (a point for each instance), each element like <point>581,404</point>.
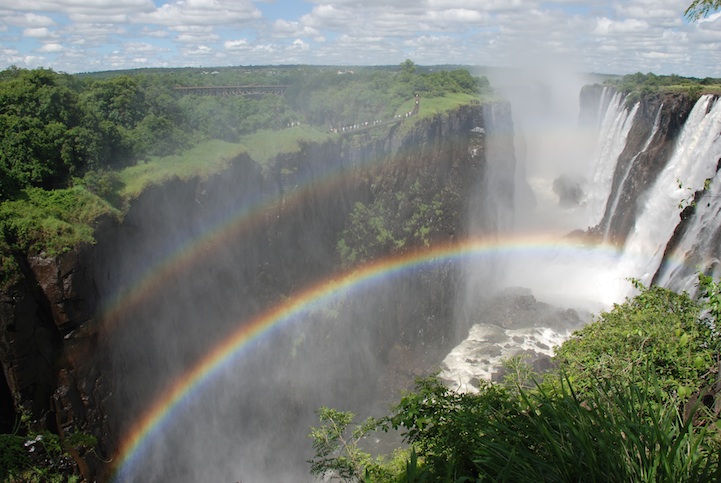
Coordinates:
<point>569,190</point>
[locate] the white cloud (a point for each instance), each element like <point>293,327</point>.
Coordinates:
<point>198,50</point>
<point>711,18</point>
<point>285,29</point>
<point>606,26</point>
<point>479,5</point>
<point>90,34</point>
<point>194,38</point>
<point>154,33</point>
<point>141,48</point>
<point>50,48</point>
<point>38,33</point>
<point>82,10</point>
<point>240,44</point>
<point>195,34</point>
<point>299,46</point>
<point>202,12</point>
<point>29,20</point>
<point>455,16</point>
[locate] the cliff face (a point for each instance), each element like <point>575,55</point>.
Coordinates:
<point>90,337</point>
<point>649,146</point>
<point>663,204</point>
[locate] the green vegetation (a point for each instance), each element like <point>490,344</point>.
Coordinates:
<point>411,218</point>
<point>57,127</point>
<point>41,457</point>
<point>38,221</point>
<point>76,147</point>
<point>264,145</point>
<point>201,160</point>
<point>658,327</point>
<point>336,99</point>
<point>639,85</point>
<point>630,399</point>
<point>701,8</point>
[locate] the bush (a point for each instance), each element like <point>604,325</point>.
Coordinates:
<point>657,327</point>
<point>615,408</point>
<point>50,222</point>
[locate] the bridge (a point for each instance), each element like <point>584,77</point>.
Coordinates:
<point>228,91</point>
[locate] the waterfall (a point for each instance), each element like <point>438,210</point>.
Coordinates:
<point>572,273</point>
<point>699,245</point>
<point>614,130</point>
<point>603,106</point>
<point>619,190</point>
<point>698,150</point>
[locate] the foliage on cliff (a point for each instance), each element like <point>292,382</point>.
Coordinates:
<point>658,327</point>
<point>408,218</point>
<point>623,403</point>
<point>74,147</point>
<point>46,222</point>
<point>639,85</point>
<point>56,126</point>
<point>30,456</point>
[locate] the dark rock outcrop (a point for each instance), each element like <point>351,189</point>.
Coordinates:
<point>649,147</point>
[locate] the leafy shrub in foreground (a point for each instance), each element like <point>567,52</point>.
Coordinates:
<point>620,432</point>
<point>616,408</point>
<point>657,327</point>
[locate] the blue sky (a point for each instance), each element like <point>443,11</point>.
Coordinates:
<point>614,37</point>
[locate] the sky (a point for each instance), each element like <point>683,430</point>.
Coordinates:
<point>611,37</point>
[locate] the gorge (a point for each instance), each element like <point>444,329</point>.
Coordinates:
<point>199,334</point>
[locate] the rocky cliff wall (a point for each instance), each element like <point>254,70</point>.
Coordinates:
<point>88,338</point>
<point>663,207</point>
<point>649,146</point>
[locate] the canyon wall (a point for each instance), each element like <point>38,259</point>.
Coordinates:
<point>89,338</point>
<point>660,207</point>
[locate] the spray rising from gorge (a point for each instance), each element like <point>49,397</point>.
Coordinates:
<point>336,342</point>
<point>214,312</point>
<point>642,188</point>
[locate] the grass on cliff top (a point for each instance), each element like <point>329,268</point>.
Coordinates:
<point>51,221</point>
<point>713,89</point>
<point>265,145</point>
<point>436,105</point>
<point>432,106</point>
<point>201,160</point>
<point>212,156</point>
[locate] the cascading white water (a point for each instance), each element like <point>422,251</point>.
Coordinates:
<point>698,248</point>
<point>698,150</point>
<point>612,139</point>
<point>569,273</point>
<point>619,191</point>
<point>602,106</point>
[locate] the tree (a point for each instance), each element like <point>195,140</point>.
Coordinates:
<point>701,8</point>
<point>408,67</point>
<point>45,136</point>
